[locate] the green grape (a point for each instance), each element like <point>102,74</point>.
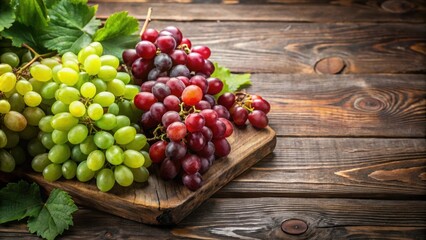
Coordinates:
<point>114,109</point>
<point>16,102</point>
<point>138,143</point>
<point>101,86</point>
<point>86,52</point>
<point>126,109</point>
<point>55,70</point>
<point>7,163</point>
<point>63,121</point>
<point>41,72</point>
<point>107,122</point>
<point>36,84</point>
<point>50,62</point>
<point>78,134</point>
<point>104,99</point>
<point>23,86</point>
<point>69,169</point>
<point>59,153</point>
<point>116,87</point>
<point>35,147</point>
<point>59,137</point>
<point>92,64</point>
<point>15,121</point>
<point>133,158</point>
<point>96,160</point>
<point>69,56</point>
<point>114,155</point>
<point>7,82</point>
<point>110,60</point>
<point>10,58</point>
<point>5,106</point>
<point>148,161</point>
<point>103,139</point>
<point>95,111</point>
<point>46,140</point>
<point>33,115</point>
<point>130,91</point>
<point>44,124</point>
<point>58,107</point>
<point>88,145</point>
<point>72,65</point>
<point>27,57</point>
<point>123,176</point>
<point>77,155</point>
<point>77,109</point>
<point>98,48</point>
<point>82,78</point>
<point>40,162</point>
<point>3,139</point>
<point>124,77</point>
<point>136,126</point>
<point>105,180</point>
<point>12,138</point>
<point>18,153</point>
<point>88,90</point>
<point>48,90</point>
<point>68,95</point>
<point>84,174</point>
<point>107,73</point>
<point>125,135</point>
<point>68,76</point>
<point>32,99</point>
<point>4,68</point>
<point>52,172</point>
<point>140,174</point>
<point>29,132</point>
<point>122,121</point>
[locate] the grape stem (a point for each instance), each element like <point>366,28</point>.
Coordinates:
<point>244,100</point>
<point>35,58</point>
<point>147,20</point>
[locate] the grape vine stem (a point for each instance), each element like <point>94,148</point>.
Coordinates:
<point>35,58</point>
<point>147,20</point>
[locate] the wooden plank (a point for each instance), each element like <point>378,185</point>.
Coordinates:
<point>167,202</point>
<point>344,105</point>
<point>313,12</point>
<point>260,218</point>
<point>297,47</point>
<point>337,167</point>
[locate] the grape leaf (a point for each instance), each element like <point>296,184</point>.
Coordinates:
<point>54,217</point>
<point>7,16</point>
<point>30,12</point>
<point>19,200</point>
<point>20,34</point>
<point>118,24</point>
<point>232,82</point>
<point>71,27</point>
<point>115,46</point>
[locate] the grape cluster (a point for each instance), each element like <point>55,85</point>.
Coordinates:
<point>187,127</point>
<point>84,119</point>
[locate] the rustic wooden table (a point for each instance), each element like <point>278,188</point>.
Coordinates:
<point>348,92</point>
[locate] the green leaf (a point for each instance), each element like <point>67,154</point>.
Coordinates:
<point>54,217</point>
<point>118,24</point>
<point>115,46</point>
<point>71,26</point>
<point>7,16</point>
<point>232,82</point>
<point>20,34</point>
<point>19,200</point>
<point>30,12</point>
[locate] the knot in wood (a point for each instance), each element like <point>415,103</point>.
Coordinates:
<point>397,6</point>
<point>294,226</point>
<point>368,104</point>
<point>330,65</point>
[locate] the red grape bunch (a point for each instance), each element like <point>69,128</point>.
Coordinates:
<point>188,128</point>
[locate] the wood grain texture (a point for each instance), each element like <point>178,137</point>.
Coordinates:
<point>167,202</point>
<point>260,218</point>
<point>337,167</point>
<point>344,105</point>
<point>276,47</point>
<point>315,12</point>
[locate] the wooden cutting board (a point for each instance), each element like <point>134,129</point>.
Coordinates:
<point>168,202</point>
